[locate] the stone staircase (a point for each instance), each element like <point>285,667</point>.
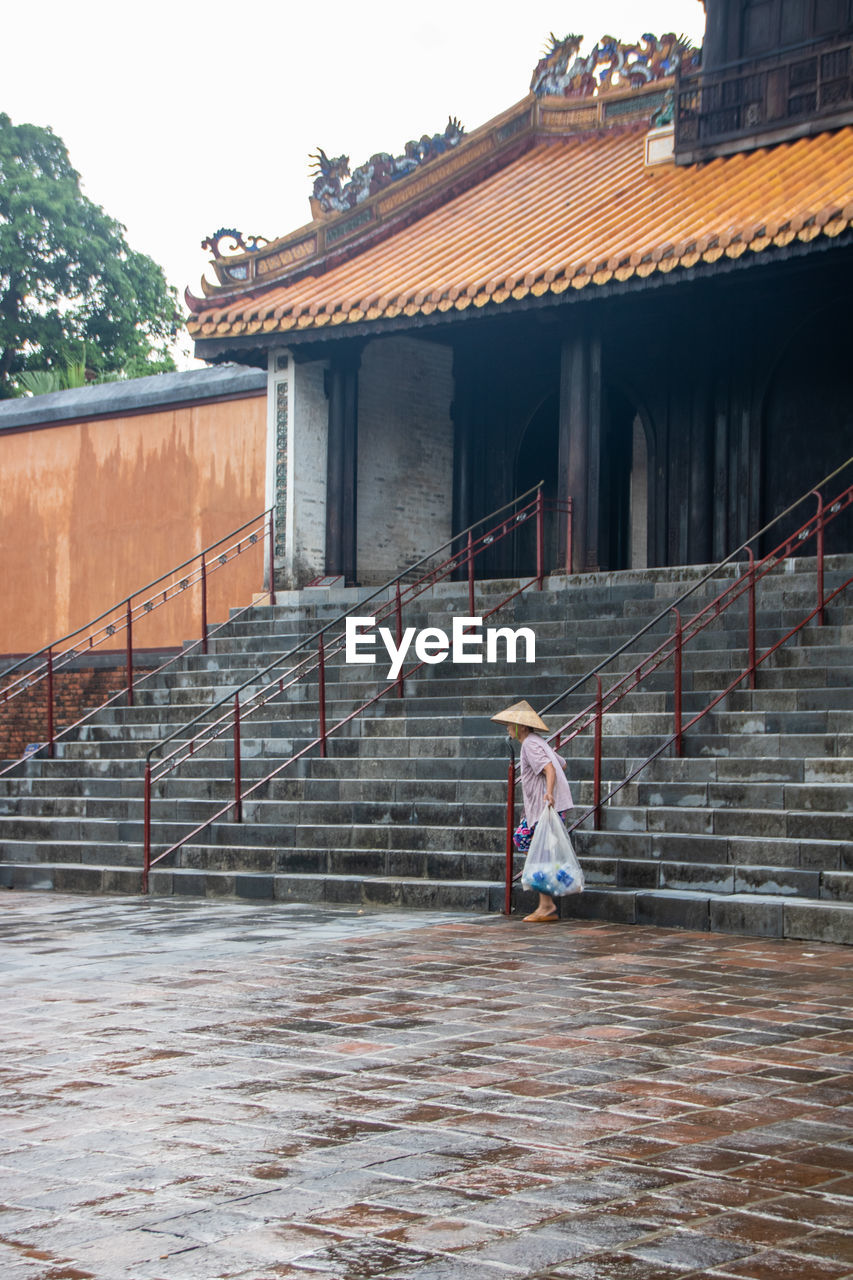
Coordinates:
<point>751,831</point>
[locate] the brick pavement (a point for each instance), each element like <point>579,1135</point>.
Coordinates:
<point>207,1091</point>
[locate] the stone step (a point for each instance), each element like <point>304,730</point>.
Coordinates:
<point>131,771</point>
<point>790,699</point>
<point>814,676</point>
<point>774,603</point>
<point>399,892</point>
<point>408,808</point>
<point>461,697</point>
<point>130,739</point>
<point>807,853</point>
<point>702,743</point>
<point>719,878</point>
<point>745,914</point>
<point>420,807</point>
<point>566,641</point>
<point>773,823</point>
<point>422,864</point>
<point>709,808</point>
<point>45,778</point>
<point>793,722</point>
<point>831,797</point>
<point>552,639</point>
<point>829,769</point>
<point>449,837</point>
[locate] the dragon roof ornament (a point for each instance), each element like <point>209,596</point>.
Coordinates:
<point>251,244</point>
<point>609,65</point>
<point>333,194</point>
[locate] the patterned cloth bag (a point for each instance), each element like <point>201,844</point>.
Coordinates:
<point>522,836</point>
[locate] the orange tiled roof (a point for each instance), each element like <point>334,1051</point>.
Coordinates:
<point>569,213</point>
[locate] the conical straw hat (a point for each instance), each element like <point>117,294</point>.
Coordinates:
<point>521,713</point>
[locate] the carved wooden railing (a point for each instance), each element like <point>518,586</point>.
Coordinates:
<point>764,96</point>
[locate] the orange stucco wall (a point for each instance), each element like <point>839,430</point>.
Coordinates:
<point>91,511</point>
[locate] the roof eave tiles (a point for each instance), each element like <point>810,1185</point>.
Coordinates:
<point>567,214</point>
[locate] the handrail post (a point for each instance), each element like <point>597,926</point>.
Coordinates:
<point>569,514</point>
<point>821,522</point>
<point>50,733</point>
<point>752,655</point>
<point>510,825</point>
<point>398,613</point>
<point>321,694</point>
<point>470,575</point>
<point>596,764</point>
<point>146,829</point>
<point>679,646</point>
<point>540,539</point>
<point>129,655</point>
<point>203,604</point>
<point>272,555</point>
<point>238,785</point>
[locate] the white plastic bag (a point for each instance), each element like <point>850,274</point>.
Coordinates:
<point>551,866</point>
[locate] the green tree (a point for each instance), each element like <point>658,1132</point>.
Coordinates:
<point>70,286</point>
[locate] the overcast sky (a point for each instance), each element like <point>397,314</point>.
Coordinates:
<point>184,117</point>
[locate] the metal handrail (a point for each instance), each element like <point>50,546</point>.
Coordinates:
<point>123,621</point>
<point>126,599</point>
<point>685,595</point>
<point>282,658</point>
<point>672,646</point>
<point>308,665</point>
<point>466,555</point>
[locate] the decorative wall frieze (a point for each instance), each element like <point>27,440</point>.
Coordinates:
<point>282,393</point>
<point>286,256</point>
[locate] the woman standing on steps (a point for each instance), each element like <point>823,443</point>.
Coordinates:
<point>543,781</point>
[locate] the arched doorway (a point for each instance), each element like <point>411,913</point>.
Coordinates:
<point>536,459</point>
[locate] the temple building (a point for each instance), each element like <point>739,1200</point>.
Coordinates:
<point>634,285</point>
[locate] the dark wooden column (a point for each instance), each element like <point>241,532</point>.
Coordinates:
<point>460,412</point>
<point>715,45</point>
<point>580,444</point>
<point>701,520</point>
<point>342,465</point>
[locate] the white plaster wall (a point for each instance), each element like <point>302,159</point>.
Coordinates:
<point>306,555</point>
<point>405,453</point>
<point>302,510</point>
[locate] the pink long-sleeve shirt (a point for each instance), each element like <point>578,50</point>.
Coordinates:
<point>535,754</point>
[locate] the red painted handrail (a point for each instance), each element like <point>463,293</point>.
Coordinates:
<point>316,660</point>
<point>672,647</point>
<point>43,664</point>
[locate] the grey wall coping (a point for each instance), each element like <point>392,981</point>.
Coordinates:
<point>137,395</point>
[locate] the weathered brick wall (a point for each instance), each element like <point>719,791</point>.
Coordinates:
<point>405,453</point>
<point>24,719</point>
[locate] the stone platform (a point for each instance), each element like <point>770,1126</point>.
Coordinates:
<point>198,1090</point>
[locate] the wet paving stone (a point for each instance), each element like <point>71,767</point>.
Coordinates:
<point>212,1091</point>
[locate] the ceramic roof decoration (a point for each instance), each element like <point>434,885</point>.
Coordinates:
<point>552,197</point>
<point>332,194</point>
<point>609,65</point>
